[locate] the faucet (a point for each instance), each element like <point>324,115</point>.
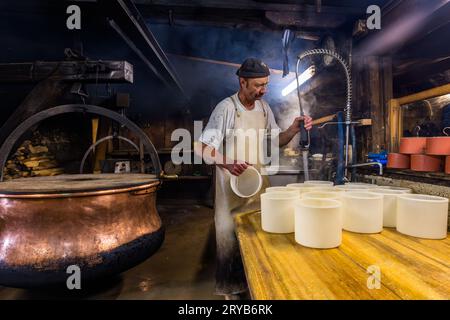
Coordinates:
<point>368,164</point>
<point>348,108</point>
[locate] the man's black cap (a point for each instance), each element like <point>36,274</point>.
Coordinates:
<point>253,68</point>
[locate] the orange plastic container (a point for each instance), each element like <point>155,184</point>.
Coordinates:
<point>398,161</point>
<point>413,145</point>
<point>426,163</point>
<point>438,146</point>
<point>447,165</point>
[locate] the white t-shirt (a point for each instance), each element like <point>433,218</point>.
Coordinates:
<point>222,119</point>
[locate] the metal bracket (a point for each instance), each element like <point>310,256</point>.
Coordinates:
<point>337,122</point>
<point>309,140</point>
<point>92,147</point>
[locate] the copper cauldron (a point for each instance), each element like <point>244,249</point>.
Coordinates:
<point>104,224</point>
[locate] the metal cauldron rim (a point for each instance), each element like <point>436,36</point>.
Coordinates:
<point>143,188</point>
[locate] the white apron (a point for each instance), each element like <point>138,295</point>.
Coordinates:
<point>230,276</point>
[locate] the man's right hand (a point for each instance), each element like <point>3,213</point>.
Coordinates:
<point>237,167</point>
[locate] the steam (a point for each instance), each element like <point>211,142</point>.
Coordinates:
<point>208,83</point>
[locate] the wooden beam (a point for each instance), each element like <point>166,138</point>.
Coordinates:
<point>364,122</point>
<point>79,71</point>
<point>422,71</point>
<point>427,94</point>
<point>275,15</point>
<point>308,20</point>
<point>224,63</point>
<point>252,5</point>
<point>329,118</point>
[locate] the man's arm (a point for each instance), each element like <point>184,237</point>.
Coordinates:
<point>213,156</point>
<point>293,129</point>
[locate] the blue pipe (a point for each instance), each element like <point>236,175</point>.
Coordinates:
<point>340,150</point>
<point>354,154</point>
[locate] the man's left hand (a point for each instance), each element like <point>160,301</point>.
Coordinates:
<point>295,126</point>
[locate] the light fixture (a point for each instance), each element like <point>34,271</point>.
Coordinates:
<point>305,76</point>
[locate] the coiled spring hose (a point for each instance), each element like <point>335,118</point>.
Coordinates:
<point>348,107</point>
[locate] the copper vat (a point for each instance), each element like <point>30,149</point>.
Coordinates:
<point>104,224</point>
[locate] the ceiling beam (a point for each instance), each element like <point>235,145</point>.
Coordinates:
<point>252,5</point>
<point>422,71</point>
<point>304,19</point>
<point>73,70</point>
<point>240,12</point>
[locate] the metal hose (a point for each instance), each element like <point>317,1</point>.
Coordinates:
<point>348,107</point>
<point>338,57</point>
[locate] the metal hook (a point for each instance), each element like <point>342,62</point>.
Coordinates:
<point>327,123</point>
<point>443,131</point>
<point>418,130</point>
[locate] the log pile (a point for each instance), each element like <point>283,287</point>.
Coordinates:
<point>31,159</point>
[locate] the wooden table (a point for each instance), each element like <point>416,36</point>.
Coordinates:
<point>279,268</point>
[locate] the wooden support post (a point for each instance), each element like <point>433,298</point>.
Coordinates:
<point>100,152</point>
<point>395,127</point>
<point>376,104</point>
<point>387,83</point>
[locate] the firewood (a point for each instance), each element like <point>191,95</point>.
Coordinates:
<point>40,157</point>
<point>11,166</point>
<point>31,163</point>
<point>26,143</point>
<point>48,172</point>
<point>38,149</point>
<point>46,165</point>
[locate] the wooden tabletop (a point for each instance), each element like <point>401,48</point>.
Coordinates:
<point>278,268</point>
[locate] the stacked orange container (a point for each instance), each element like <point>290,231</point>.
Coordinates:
<point>422,154</point>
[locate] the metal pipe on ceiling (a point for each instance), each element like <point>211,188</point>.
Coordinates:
<point>126,20</point>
